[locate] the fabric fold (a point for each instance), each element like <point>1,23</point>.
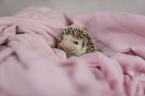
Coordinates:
<point>32,65</point>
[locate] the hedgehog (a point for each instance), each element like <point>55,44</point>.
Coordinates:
<point>76,42</point>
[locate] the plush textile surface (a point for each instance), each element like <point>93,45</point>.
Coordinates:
<point>30,65</point>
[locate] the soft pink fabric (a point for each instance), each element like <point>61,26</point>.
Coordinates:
<point>30,65</point>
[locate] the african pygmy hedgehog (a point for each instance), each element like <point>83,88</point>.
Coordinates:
<point>76,42</point>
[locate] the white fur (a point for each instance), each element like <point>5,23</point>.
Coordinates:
<point>68,39</point>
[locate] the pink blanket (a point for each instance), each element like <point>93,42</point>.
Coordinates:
<point>30,65</point>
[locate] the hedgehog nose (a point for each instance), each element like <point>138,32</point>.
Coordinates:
<point>61,44</point>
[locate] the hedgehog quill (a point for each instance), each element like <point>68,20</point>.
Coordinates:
<point>76,42</point>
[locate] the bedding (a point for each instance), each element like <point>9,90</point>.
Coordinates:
<point>31,65</point>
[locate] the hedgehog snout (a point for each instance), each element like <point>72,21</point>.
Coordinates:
<point>66,45</point>
<point>61,44</point>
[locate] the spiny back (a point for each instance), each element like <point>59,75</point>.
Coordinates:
<point>83,35</point>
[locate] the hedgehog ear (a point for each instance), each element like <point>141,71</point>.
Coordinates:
<point>85,42</point>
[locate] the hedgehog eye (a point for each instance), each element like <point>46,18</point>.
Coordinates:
<point>75,42</point>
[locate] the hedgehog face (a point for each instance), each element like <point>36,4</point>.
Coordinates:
<point>72,46</point>
<point>76,42</point>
